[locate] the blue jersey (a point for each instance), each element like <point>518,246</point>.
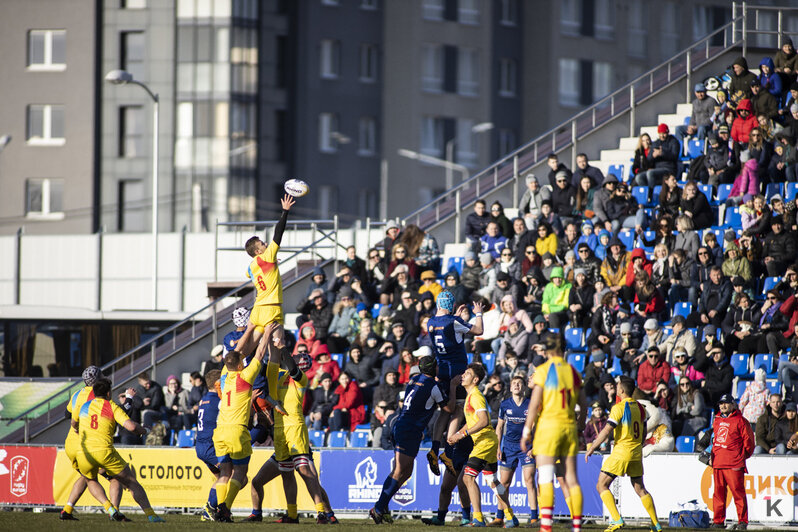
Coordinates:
<point>447,334</point>
<point>260,382</point>
<point>422,396</point>
<point>514,417</point>
<point>206,416</point>
<point>230,340</point>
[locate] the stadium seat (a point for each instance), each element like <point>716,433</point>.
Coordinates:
<point>769,284</point>
<point>739,363</point>
<point>774,386</point>
<point>470,357</point>
<point>685,444</point>
<point>336,438</point>
<point>627,236</point>
<point>683,309</point>
<point>666,331</point>
<point>733,218</point>
<point>790,191</point>
<point>640,194</point>
<point>723,193</point>
<point>360,438</point>
<point>707,190</point>
<point>739,389</point>
<point>616,170</point>
<point>616,369</point>
<point>489,361</point>
<point>185,438</point>
<point>695,148</point>
<point>316,438</point>
<point>765,361</point>
<point>573,339</point>
<point>655,196</point>
<point>455,263</point>
<point>774,188</point>
<point>577,360</point>
<point>375,310</point>
<point>339,358</point>
<point>650,235</point>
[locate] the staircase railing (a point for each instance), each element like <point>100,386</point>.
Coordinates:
<point>624,101</point>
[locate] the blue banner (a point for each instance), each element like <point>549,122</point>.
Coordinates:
<point>353,480</point>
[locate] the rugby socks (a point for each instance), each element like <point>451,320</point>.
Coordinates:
<point>448,450</point>
<point>221,492</point>
<point>212,501</point>
<point>533,513</point>
<point>478,517</point>
<point>568,503</point>
<point>546,505</point>
<point>68,508</point>
<point>259,513</point>
<point>389,489</point>
<point>233,487</point>
<point>609,502</point>
<point>442,514</point>
<point>149,512</point>
<point>576,507</point>
<point>466,512</point>
<point>509,512</point>
<point>320,507</point>
<point>436,446</point>
<point>109,507</point>
<point>500,514</point>
<point>648,504</point>
<point>292,511</point>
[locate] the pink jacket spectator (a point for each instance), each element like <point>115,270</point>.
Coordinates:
<point>746,182</point>
<point>691,373</point>
<point>755,398</point>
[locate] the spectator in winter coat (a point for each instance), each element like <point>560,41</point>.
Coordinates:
<point>681,339</point>
<point>744,123</point>
<point>459,291</point>
<point>515,340</point>
<point>695,205</point>
<point>785,59</point>
<point>319,281</point>
<point>594,425</point>
<point>318,310</point>
<point>771,431</point>
<point>762,102</point>
<point>350,411</point>
<point>687,409</point>
<point>555,166</point>
<point>391,237</point>
<point>493,241</point>
<point>779,248</point>
<point>714,300</point>
<point>755,397</point>
<point>324,400</point>
<point>323,364</point>
<point>769,79</point>
<point>601,197</point>
<point>529,206</point>
<point>583,169</point>
<point>547,240</point>
<point>652,372</point>
<point>475,225</point>
<point>740,85</point>
<point>563,197</point>
<point>471,272</point>
<point>361,371</point>
<point>614,266</point>
<point>555,299</point>
<point>664,155</point>
<point>719,375</point>
<point>487,275</point>
<point>307,338</point>
<point>701,118</point>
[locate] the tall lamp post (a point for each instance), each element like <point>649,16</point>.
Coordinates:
<point>123,77</point>
<point>482,127</point>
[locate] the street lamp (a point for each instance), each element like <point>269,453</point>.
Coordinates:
<point>4,140</point>
<point>482,127</point>
<point>123,77</point>
<point>410,154</point>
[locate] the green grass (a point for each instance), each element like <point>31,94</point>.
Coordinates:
<point>19,521</point>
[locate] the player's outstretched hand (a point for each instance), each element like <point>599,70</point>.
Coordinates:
<point>287,202</point>
<point>477,307</point>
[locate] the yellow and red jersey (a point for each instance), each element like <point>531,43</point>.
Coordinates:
<point>98,418</point>
<point>629,420</point>
<point>290,393</point>
<point>475,402</point>
<point>265,276</point>
<point>236,395</point>
<point>561,384</point>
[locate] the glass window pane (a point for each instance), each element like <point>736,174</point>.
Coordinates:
<point>185,119</point>
<point>204,44</point>
<point>36,47</point>
<point>57,121</point>
<point>223,44</point>
<point>185,8</point>
<point>203,77</point>
<point>570,16</point>
<point>56,195</point>
<point>185,77</point>
<point>33,196</point>
<point>59,48</point>
<point>221,77</point>
<point>185,43</point>
<point>222,119</point>
<point>35,121</point>
<point>602,80</point>
<point>605,19</point>
<point>569,82</point>
<point>204,8</point>
<point>432,9</point>
<point>222,8</point>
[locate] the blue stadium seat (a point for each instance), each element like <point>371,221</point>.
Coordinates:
<point>489,361</point>
<point>470,357</point>
<point>627,236</point>
<point>455,263</point>
<point>683,309</point>
<point>573,339</point>
<point>360,438</point>
<point>723,193</point>
<point>339,358</point>
<point>375,310</point>
<point>765,361</point>
<point>685,444</point>
<point>616,170</point>
<point>316,438</point>
<point>790,191</point>
<point>640,194</point>
<point>774,188</point>
<point>733,218</point>
<point>695,148</point>
<point>616,369</point>
<point>739,389</point>
<point>577,360</point>
<point>707,190</point>
<point>650,235</point>
<point>769,284</point>
<point>666,331</point>
<point>774,386</point>
<point>185,438</point>
<point>739,363</point>
<point>337,438</point>
<point>655,196</point>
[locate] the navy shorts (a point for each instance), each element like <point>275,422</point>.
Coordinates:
<point>406,438</point>
<point>207,453</point>
<point>512,455</point>
<point>447,370</point>
<point>462,450</point>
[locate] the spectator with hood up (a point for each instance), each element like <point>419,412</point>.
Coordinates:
<point>744,123</point>
<point>741,78</point>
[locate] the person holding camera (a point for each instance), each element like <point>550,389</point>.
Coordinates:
<point>732,446</point>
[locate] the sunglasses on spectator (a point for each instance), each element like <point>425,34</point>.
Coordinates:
<point>529,252</point>
<point>373,256</point>
<point>398,251</point>
<point>771,298</point>
<point>652,356</point>
<point>495,210</point>
<point>703,253</point>
<point>684,384</point>
<point>679,356</point>
<point>506,254</point>
<point>583,250</point>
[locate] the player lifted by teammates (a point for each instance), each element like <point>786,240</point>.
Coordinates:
<point>556,391</point>
<point>628,421</point>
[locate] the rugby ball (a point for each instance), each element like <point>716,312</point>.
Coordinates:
<point>296,187</point>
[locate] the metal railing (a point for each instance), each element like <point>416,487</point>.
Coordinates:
<point>624,101</point>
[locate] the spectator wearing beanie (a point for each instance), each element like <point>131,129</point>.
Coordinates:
<point>719,375</point>
<point>664,155</point>
<point>471,271</point>
<point>653,371</point>
<point>754,399</point>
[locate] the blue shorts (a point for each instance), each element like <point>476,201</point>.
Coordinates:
<point>512,455</point>
<point>447,370</point>
<point>206,453</point>
<point>462,450</point>
<point>406,438</point>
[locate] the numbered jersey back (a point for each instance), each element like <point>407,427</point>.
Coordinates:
<point>422,396</point>
<point>629,419</point>
<point>265,276</point>
<point>561,384</point>
<point>447,333</point>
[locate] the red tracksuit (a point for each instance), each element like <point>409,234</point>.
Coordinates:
<point>732,445</point>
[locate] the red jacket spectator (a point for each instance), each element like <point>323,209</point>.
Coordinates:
<point>734,441</point>
<point>630,268</point>
<point>654,305</point>
<point>741,127</point>
<point>307,336</point>
<point>323,364</point>
<point>651,372</point>
<point>351,399</point>
<point>789,308</point>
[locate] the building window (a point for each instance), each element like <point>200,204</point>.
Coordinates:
<point>328,131</point>
<point>134,4</point>
<point>367,136</point>
<point>468,11</point>
<point>432,68</point>
<point>131,131</point>
<point>467,150</point>
<point>46,125</point>
<point>330,2</point>
<point>669,26</point>
<point>604,16</point>
<point>369,5</point>
<point>507,142</point>
<point>509,13</point>
<point>330,58</point>
<point>432,136</point>
<point>132,53</point>
<point>570,17</point>
<point>637,30</point>
<point>432,9</point>
<point>467,72</point>
<point>47,49</point>
<point>44,198</point>
<point>328,201</point>
<point>602,80</point>
<point>131,209</point>
<point>368,63</point>
<point>508,77</point>
<point>570,83</point>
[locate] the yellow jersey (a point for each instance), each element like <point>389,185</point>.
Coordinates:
<point>628,418</point>
<point>236,395</point>
<point>77,401</point>
<point>98,418</point>
<point>474,403</point>
<point>561,384</point>
<point>265,275</point>
<point>289,392</point>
